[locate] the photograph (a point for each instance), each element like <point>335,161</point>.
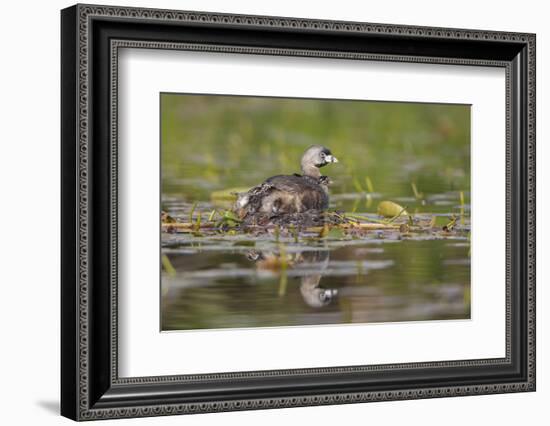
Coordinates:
<point>280,212</point>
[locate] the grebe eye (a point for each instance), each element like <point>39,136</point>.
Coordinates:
<point>322,155</point>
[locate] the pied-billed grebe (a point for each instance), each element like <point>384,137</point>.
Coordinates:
<point>291,193</point>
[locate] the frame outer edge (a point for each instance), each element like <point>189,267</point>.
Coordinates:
<point>69,222</point>
<point>80,318</point>
<point>83,64</point>
<point>531,200</point>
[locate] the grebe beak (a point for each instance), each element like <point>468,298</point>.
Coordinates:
<point>331,159</point>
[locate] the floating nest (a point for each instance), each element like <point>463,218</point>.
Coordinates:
<point>308,219</point>
<point>312,221</point>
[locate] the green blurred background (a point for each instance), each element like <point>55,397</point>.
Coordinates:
<point>216,142</point>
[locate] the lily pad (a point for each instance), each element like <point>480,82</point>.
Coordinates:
<point>391,209</point>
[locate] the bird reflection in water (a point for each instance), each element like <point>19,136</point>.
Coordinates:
<point>306,265</point>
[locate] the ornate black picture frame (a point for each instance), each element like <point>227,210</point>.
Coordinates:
<point>91,36</point>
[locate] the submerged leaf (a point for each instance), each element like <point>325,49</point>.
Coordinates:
<point>167,265</point>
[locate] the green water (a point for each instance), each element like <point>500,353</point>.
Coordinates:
<point>212,143</point>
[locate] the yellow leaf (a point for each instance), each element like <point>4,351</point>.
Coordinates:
<point>391,209</point>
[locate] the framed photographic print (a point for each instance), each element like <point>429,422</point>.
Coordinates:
<point>263,212</point>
